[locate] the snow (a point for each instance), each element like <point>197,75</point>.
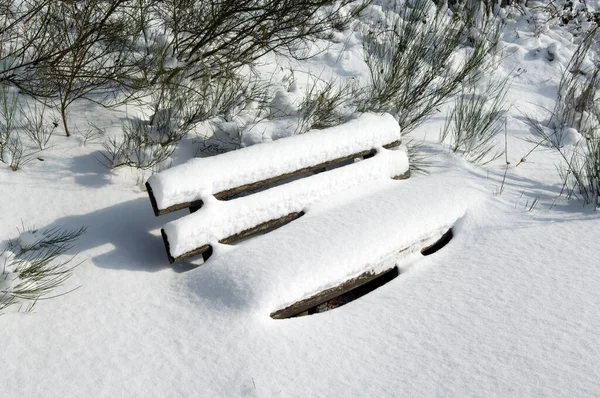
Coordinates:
<point>204,176</point>
<point>28,239</point>
<point>217,220</point>
<point>7,269</point>
<point>508,308</point>
<point>9,274</point>
<point>393,215</point>
<point>283,104</point>
<point>8,281</point>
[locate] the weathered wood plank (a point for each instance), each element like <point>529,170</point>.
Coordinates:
<point>443,241</point>
<point>353,294</point>
<point>328,294</point>
<point>259,184</point>
<point>159,212</point>
<point>206,250</point>
<point>200,250</point>
<point>311,169</point>
<point>263,227</point>
<point>260,228</point>
<point>351,284</point>
<point>403,176</point>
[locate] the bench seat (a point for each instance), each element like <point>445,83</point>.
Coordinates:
<point>369,229</point>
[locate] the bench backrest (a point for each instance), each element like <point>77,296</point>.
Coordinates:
<point>248,168</point>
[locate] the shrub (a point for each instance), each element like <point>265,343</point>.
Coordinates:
<point>72,50</point>
<point>325,107</point>
<point>12,150</point>
<point>573,128</point>
<point>111,51</point>
<point>37,126</point>
<point>142,146</point>
<point>576,106</point>
<point>475,120</point>
<point>8,122</point>
<point>412,71</point>
<point>221,37</point>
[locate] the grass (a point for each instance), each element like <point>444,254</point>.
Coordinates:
<point>31,268</point>
<point>474,122</point>
<point>325,107</point>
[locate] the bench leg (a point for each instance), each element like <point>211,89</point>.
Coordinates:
<point>195,207</point>
<point>207,253</point>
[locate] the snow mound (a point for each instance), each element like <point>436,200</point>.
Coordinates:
<point>338,239</point>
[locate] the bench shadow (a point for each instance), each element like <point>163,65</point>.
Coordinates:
<point>89,172</point>
<point>129,231</point>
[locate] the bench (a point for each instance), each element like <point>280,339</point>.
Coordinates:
<point>253,190</point>
<point>235,195</point>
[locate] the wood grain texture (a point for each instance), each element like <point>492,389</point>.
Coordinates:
<point>159,212</point>
<point>200,250</point>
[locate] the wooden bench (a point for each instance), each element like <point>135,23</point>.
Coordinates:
<point>256,189</point>
<point>204,185</point>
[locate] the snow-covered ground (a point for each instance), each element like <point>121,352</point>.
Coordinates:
<point>508,308</point>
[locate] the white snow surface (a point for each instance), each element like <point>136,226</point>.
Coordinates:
<point>9,276</point>
<point>220,219</point>
<point>363,232</point>
<point>508,308</point>
<point>204,176</point>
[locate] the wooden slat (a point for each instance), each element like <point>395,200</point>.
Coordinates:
<point>310,169</point>
<point>258,184</point>
<point>201,250</point>
<point>266,226</point>
<point>159,212</point>
<point>443,241</point>
<point>402,176</point>
<point>353,294</point>
<point>328,294</point>
<point>344,287</point>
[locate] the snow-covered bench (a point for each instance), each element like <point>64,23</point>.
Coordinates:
<point>202,184</point>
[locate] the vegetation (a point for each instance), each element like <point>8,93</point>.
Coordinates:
<point>186,63</point>
<point>475,120</point>
<point>412,63</point>
<point>31,267</point>
<point>573,127</point>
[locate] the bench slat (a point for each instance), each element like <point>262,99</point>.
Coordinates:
<point>197,204</point>
<point>311,169</point>
<point>353,283</point>
<point>327,295</point>
<point>204,249</point>
<point>249,168</point>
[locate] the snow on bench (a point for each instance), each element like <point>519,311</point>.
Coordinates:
<point>337,246</point>
<point>374,270</point>
<point>229,221</point>
<point>231,173</point>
